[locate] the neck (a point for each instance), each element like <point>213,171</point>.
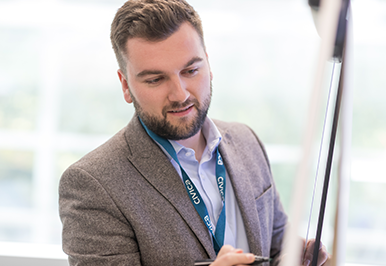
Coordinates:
<point>196,143</point>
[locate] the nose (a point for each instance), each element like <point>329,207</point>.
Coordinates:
<point>178,91</point>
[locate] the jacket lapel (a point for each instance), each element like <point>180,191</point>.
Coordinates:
<point>239,177</point>
<point>156,168</point>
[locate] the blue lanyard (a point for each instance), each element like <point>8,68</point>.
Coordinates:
<point>194,195</point>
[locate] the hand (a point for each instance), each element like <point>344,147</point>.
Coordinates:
<point>229,256</point>
<point>323,258</point>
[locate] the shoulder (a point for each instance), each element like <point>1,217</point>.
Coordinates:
<point>118,148</point>
<point>243,137</point>
<point>111,158</point>
<point>238,132</point>
<point>106,153</point>
<point>229,125</point>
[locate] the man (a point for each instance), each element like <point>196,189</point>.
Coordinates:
<point>173,186</point>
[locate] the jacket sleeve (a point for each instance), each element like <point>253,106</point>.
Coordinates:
<point>94,230</point>
<point>279,226</point>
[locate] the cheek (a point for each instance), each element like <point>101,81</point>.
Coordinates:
<point>202,87</point>
<point>150,100</point>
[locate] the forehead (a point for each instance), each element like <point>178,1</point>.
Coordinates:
<point>173,52</point>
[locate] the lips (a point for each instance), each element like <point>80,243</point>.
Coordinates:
<point>182,110</point>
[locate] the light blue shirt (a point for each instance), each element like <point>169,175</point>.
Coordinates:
<point>203,175</point>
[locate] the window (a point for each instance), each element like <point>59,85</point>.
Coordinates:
<point>60,97</point>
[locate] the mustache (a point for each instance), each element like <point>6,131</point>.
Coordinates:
<point>180,105</point>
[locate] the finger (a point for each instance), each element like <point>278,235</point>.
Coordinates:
<point>302,242</point>
<point>225,249</point>
<point>310,249</point>
<point>307,260</point>
<point>233,258</point>
<point>322,256</point>
<point>308,254</point>
<point>311,244</point>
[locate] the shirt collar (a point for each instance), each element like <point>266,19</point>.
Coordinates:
<point>211,134</point>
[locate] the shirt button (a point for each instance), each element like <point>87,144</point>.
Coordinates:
<point>188,153</point>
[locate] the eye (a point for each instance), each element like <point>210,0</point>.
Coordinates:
<point>154,81</point>
<point>191,72</point>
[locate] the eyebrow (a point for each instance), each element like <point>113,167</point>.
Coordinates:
<point>148,72</point>
<point>193,60</point>
<point>158,72</point>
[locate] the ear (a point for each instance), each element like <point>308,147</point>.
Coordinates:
<point>125,86</point>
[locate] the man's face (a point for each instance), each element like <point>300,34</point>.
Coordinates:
<point>169,83</point>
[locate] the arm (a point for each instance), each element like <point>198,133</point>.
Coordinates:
<point>94,230</point>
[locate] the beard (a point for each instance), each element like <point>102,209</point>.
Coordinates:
<point>185,129</point>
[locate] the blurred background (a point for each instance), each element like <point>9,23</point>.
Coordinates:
<point>60,97</point>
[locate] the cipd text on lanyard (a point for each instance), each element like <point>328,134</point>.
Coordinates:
<point>194,195</point>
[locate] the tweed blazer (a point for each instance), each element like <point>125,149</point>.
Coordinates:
<point>125,204</point>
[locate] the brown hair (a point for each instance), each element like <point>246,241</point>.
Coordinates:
<point>152,20</point>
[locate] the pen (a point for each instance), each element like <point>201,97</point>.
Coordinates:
<point>258,260</point>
